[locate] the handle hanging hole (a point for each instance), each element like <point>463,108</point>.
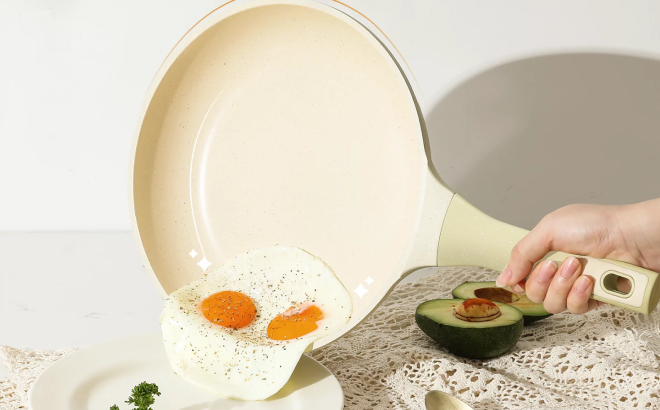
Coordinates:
<point>618,284</point>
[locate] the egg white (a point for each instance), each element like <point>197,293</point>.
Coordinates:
<point>244,363</point>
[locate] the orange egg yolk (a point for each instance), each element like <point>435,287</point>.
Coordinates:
<point>295,322</point>
<point>229,309</point>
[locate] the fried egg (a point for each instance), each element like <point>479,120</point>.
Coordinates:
<point>240,331</point>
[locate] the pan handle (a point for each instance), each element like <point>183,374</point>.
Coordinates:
<point>470,237</point>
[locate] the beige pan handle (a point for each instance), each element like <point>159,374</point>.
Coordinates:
<point>470,237</point>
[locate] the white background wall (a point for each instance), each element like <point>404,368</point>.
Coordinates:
<point>73,73</point>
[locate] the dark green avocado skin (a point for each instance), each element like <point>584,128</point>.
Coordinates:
<point>472,343</point>
<point>531,319</point>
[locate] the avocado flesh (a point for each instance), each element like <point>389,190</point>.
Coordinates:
<point>488,290</point>
<point>472,340</point>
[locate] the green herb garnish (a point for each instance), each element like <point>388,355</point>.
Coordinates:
<point>142,396</point>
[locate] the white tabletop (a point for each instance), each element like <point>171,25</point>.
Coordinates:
<point>74,289</point>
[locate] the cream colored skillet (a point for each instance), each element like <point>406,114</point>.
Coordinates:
<point>287,122</point>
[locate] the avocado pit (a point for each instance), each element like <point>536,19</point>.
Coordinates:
<point>477,310</point>
<point>497,295</point>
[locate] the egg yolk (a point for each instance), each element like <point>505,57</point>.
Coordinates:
<point>295,322</point>
<point>229,309</point>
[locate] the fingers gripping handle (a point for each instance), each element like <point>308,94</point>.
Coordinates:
<point>643,295</point>
<point>471,238</point>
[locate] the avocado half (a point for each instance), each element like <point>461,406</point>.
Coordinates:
<point>488,290</point>
<point>440,319</point>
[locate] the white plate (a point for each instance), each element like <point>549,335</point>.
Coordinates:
<point>99,376</point>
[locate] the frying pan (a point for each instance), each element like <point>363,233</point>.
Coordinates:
<point>288,122</point>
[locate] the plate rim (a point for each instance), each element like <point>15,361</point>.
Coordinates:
<point>39,380</point>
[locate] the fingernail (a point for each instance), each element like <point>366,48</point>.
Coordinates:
<point>569,267</point>
<point>504,278</point>
<point>517,288</point>
<point>547,271</point>
<point>582,284</point>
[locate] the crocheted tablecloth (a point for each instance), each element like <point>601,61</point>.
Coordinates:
<point>605,359</point>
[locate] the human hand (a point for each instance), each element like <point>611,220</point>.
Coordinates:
<point>627,233</point>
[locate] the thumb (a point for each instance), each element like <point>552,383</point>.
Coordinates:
<point>532,248</point>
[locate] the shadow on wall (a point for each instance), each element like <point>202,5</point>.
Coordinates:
<point>528,137</point>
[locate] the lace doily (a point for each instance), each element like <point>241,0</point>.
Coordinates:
<point>602,360</point>
<point>24,366</point>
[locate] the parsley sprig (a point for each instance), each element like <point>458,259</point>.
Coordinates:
<point>142,396</point>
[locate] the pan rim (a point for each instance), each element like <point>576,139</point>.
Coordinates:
<point>218,15</point>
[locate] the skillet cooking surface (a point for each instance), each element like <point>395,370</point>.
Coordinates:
<point>280,124</point>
